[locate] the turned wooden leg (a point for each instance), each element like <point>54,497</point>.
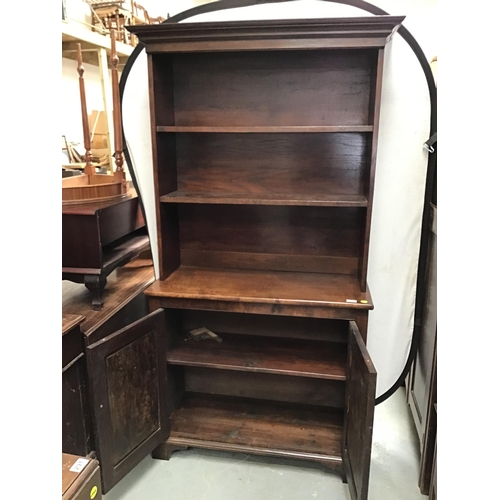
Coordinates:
<point>338,468</point>
<point>165,450</point>
<point>95,284</point>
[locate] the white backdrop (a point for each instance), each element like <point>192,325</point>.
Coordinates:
<point>400,175</point>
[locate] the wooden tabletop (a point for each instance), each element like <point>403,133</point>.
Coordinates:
<point>69,321</point>
<point>93,207</point>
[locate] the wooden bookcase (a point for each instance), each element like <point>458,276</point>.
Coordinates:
<point>264,147</point>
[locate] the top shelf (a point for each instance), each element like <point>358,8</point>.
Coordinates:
<point>269,129</point>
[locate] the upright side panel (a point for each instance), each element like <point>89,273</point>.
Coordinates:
<point>128,383</point>
<point>164,160</point>
<point>360,403</point>
<point>376,94</point>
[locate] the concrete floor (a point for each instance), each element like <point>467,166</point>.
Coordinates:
<point>207,475</point>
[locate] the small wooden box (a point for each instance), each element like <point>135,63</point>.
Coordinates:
<point>81,478</point>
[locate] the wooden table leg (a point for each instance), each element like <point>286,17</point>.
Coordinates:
<point>95,284</point>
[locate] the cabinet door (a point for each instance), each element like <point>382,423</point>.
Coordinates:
<point>360,403</point>
<point>127,374</point>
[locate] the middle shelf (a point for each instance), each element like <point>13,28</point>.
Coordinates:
<point>251,353</point>
<point>262,286</point>
<point>304,200</point>
<point>266,129</point>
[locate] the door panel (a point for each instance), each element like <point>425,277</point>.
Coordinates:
<point>127,372</point>
<point>360,403</point>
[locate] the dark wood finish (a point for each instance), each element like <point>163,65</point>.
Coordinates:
<point>128,377</point>
<point>433,482</point>
<point>287,288</point>
<point>271,238</point>
<point>302,358</point>
<point>264,141</point>
<point>125,304</point>
<point>326,312</point>
<point>428,455</point>
<point>205,198</point>
<point>320,392</point>
<point>266,129</point>
<point>272,88</point>
<point>76,423</point>
<point>360,402</point>
<point>165,450</point>
<point>303,165</point>
<point>99,237</point>
<point>124,300</point>
<point>422,380</point>
<point>95,284</point>
<point>348,32</point>
<point>376,90</point>
<point>255,426</point>
<point>266,325</point>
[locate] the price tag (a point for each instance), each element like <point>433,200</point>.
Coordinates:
<point>79,465</point>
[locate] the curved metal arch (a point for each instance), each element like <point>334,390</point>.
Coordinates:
<point>431,164</point>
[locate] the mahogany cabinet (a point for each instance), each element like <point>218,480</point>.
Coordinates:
<point>264,149</point>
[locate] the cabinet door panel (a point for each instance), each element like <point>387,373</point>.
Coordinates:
<point>360,403</point>
<point>127,372</point>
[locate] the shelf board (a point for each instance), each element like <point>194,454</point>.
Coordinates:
<point>250,353</point>
<point>300,200</point>
<point>262,287</point>
<point>257,426</point>
<point>284,129</point>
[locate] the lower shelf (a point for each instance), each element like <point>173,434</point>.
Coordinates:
<point>257,426</point>
<point>253,353</point>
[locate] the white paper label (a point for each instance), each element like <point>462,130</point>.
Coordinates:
<point>79,465</point>
<point>351,300</point>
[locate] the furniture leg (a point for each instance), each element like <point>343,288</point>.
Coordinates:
<point>165,450</point>
<point>95,284</point>
<point>336,467</point>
